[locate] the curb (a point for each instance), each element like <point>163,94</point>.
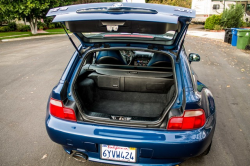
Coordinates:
<point>33,37</point>
<point>208,35</point>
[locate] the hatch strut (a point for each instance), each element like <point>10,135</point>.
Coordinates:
<point>71,40</point>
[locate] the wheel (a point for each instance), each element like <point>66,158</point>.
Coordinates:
<point>248,47</point>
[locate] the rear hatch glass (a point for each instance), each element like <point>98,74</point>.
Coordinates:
<point>128,22</point>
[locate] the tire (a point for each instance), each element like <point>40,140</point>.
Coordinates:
<point>247,47</point>
<point>207,150</point>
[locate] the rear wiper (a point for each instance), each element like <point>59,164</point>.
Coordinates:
<point>80,55</point>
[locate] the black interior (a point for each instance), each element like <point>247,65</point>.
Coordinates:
<point>128,27</point>
<point>138,91</point>
<point>109,60</point>
<point>126,95</point>
<point>110,57</point>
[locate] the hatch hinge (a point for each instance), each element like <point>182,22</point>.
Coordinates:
<point>83,50</point>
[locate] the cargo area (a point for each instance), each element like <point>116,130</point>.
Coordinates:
<point>105,92</point>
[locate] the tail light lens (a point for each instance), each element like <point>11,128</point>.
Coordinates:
<point>57,110</point>
<point>191,119</point>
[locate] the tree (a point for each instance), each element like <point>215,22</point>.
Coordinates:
<point>32,10</point>
<point>232,18</point>
<point>181,3</point>
<point>95,1</point>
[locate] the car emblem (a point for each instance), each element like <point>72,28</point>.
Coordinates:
<point>117,5</point>
<point>183,10</point>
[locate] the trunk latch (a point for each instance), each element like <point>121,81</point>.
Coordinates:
<point>121,118</point>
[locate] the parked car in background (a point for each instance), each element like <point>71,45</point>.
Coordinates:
<point>128,95</point>
<point>206,8</point>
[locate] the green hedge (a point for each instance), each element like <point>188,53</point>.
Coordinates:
<point>212,21</point>
<point>50,25</point>
<point>41,25</point>
<point>23,28</point>
<point>12,26</point>
<point>4,29</point>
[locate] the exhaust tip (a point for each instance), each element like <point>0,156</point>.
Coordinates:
<point>80,156</point>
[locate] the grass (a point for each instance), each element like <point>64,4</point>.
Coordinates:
<point>60,30</point>
<point>11,35</point>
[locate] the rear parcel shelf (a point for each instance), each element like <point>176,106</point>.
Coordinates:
<point>132,84</point>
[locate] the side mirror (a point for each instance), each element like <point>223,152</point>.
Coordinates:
<point>193,57</point>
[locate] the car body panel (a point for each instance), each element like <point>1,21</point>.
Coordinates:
<point>164,9</point>
<point>164,18</point>
<point>168,146</point>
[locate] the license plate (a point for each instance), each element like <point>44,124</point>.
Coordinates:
<point>118,153</point>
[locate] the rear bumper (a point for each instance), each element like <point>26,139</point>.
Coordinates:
<point>165,147</point>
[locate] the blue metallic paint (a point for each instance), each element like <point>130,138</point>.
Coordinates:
<point>167,145</point>
<point>170,147</point>
<point>164,9</point>
<point>103,16</point>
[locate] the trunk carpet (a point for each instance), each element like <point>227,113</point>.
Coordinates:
<point>127,103</point>
<point>127,108</point>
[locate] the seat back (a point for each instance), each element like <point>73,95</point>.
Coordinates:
<point>110,57</point>
<point>160,60</point>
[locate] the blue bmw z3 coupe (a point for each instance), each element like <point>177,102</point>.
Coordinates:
<point>128,96</point>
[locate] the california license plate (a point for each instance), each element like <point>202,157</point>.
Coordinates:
<point>118,153</point>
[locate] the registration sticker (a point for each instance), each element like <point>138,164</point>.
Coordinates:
<point>118,153</point>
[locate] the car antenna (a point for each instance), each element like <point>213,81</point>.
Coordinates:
<point>71,40</point>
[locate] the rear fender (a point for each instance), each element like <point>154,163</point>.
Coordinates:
<point>207,102</point>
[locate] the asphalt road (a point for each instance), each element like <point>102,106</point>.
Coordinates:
<point>29,69</point>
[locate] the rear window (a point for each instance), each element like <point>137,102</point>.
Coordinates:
<point>95,31</point>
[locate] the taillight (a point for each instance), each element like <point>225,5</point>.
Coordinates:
<point>57,110</point>
<point>191,119</point>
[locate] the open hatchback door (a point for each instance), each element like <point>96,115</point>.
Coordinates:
<point>127,74</point>
<point>125,23</point>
